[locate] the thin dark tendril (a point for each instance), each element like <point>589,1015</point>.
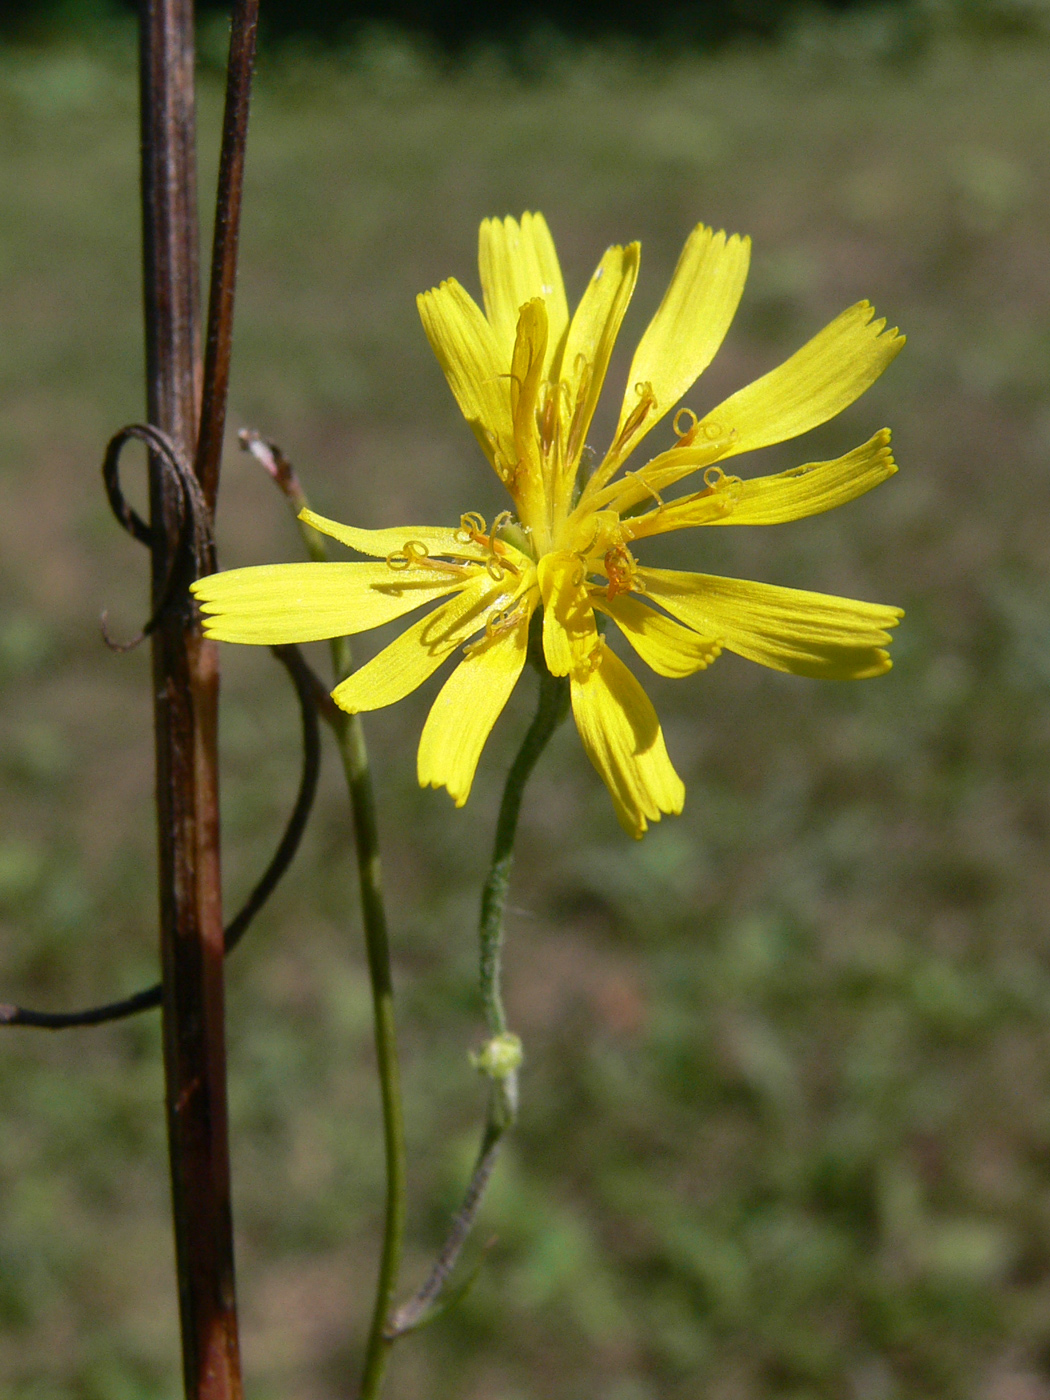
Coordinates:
<point>195,551</point>
<point>307,684</point>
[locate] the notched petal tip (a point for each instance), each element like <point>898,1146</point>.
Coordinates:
<point>339,695</point>
<point>880,664</point>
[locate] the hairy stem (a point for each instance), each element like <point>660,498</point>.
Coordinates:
<point>550,711</point>
<point>500,1057</point>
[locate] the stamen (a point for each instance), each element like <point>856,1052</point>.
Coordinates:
<point>507,471</point>
<point>548,416</point>
<point>498,564</point>
<point>594,660</point>
<point>582,554</point>
<point>497,622</point>
<point>577,427</point>
<point>639,476</point>
<point>411,552</point>
<point>471,525</point>
<point>637,416</point>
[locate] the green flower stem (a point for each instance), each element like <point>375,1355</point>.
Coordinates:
<point>551,709</point>
<point>501,1056</point>
<point>350,738</point>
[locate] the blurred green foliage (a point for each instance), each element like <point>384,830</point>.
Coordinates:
<point>786,1122</point>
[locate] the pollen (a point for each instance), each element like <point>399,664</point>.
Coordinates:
<point>619,568</point>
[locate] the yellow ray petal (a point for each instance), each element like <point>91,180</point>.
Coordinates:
<point>690,324</point>
<point>526,372</point>
<point>468,705</point>
<point>588,346</point>
<point>818,381</point>
<point>813,488</point>
<point>517,263</point>
<point>569,632</point>
<point>668,647</point>
<point>380,544</point>
<point>707,507</point>
<point>808,634</point>
<point>773,500</point>
<point>273,604</point>
<point>407,662</point>
<point>477,371</point>
<point>623,740</point>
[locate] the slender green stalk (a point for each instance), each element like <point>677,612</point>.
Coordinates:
<point>500,1057</point>
<point>551,709</point>
<point>350,737</point>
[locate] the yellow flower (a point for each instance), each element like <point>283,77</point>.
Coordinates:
<point>527,377</point>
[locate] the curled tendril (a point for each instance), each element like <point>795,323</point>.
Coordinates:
<point>692,422</point>
<point>712,431</point>
<point>714,477</point>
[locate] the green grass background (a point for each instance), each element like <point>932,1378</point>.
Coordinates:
<point>786,1107</point>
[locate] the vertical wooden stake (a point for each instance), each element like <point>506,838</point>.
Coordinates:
<point>185,678</point>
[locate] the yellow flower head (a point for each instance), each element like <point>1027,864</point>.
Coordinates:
<point>527,377</point>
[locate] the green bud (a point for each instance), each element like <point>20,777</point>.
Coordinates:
<point>500,1057</point>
